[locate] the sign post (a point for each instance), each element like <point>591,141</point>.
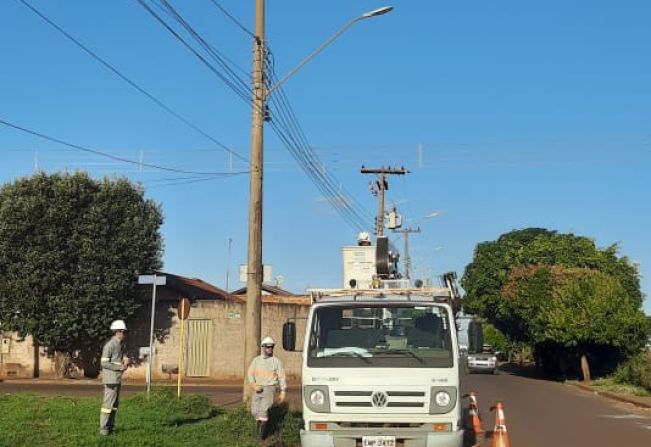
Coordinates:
<point>183,312</point>
<point>154,280</point>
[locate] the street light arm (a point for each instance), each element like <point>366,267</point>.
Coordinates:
<point>313,54</point>
<point>325,44</point>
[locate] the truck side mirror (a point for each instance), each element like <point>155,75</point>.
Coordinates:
<point>289,336</point>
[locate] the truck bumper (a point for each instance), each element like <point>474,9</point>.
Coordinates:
<point>411,439</point>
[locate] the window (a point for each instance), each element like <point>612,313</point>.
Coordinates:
<point>400,336</point>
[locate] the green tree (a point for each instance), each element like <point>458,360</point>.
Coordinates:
<point>70,251</point>
<point>575,309</point>
<point>495,338</point>
<point>515,283</point>
<point>493,262</point>
<point>489,271</point>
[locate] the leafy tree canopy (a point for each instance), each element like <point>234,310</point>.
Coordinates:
<point>494,262</point>
<point>573,307</point>
<point>70,251</point>
<point>560,293</point>
<point>495,338</point>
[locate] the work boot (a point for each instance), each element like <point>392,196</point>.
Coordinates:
<point>262,429</point>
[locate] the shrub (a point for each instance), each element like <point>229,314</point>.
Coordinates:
<point>635,371</point>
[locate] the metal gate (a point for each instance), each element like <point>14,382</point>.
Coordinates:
<point>199,347</point>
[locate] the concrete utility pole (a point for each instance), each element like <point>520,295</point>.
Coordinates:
<point>228,264</point>
<point>380,186</point>
<point>253,313</point>
<point>406,232</point>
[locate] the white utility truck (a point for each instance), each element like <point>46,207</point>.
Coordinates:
<point>381,366</point>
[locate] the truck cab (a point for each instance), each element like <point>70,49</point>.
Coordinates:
<point>380,368</point>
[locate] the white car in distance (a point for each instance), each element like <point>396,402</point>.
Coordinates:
<point>485,361</point>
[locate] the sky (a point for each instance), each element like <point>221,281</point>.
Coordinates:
<point>508,114</point>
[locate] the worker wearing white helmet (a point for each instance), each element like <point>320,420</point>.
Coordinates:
<point>265,375</point>
<point>113,365</point>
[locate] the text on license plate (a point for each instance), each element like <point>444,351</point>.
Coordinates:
<point>378,441</point>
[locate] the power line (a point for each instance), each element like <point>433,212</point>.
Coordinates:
<point>230,16</point>
<point>132,83</point>
<point>239,90</point>
<point>216,55</point>
<point>296,144</point>
<point>183,182</point>
<point>234,82</point>
<point>285,128</point>
<point>175,179</point>
<point>335,196</point>
<point>338,199</point>
<point>167,12</point>
<point>285,123</point>
<point>115,157</point>
<point>335,202</point>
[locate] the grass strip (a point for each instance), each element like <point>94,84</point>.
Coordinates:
<point>161,420</point>
<point>610,385</point>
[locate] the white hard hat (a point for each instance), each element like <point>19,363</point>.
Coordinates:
<point>267,341</point>
<point>118,325</point>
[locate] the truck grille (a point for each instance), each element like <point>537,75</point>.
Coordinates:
<point>379,399</point>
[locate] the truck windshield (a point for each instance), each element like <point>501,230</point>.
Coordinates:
<point>380,336</point>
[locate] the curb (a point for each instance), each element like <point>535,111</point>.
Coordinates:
<point>610,395</point>
<point>96,382</point>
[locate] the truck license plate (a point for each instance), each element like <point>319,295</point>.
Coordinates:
<point>379,441</point>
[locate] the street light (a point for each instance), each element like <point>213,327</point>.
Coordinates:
<point>366,15</point>
<point>378,12</point>
<point>433,215</point>
<point>253,313</point>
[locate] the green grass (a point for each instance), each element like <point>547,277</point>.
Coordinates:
<point>162,420</point>
<point>609,384</point>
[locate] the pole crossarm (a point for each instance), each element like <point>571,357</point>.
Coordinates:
<point>382,186</point>
<point>393,171</point>
<point>408,230</point>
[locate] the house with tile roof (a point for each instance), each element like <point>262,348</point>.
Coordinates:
<point>213,346</point>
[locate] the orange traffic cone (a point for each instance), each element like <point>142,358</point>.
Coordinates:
<point>474,420</point>
<point>500,435</point>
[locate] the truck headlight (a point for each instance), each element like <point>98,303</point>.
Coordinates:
<point>442,399</point>
<point>316,398</point>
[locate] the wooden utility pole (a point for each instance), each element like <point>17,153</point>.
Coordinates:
<point>228,264</point>
<point>379,187</point>
<point>253,314</point>
<point>406,232</point>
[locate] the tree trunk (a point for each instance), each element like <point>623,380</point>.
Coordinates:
<point>585,368</point>
<point>562,362</point>
<point>89,361</point>
<point>37,357</point>
<point>62,365</point>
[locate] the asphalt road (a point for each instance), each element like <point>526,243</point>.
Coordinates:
<point>539,413</point>
<point>542,413</point>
